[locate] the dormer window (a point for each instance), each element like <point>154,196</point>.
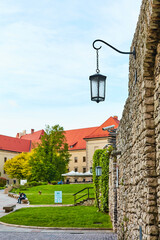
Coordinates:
<point>73,144</point>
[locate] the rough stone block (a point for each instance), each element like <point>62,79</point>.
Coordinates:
<point>152,229</point>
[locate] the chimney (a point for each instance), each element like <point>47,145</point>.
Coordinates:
<point>32,131</point>
<point>24,132</point>
<point>17,136</point>
<point>116,117</point>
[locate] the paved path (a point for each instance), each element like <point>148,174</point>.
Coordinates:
<point>5,200</point>
<point>28,233</point>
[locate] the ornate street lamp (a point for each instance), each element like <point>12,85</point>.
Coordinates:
<point>98,81</point>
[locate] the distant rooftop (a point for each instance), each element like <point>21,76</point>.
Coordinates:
<point>76,138</point>
<point>14,144</point>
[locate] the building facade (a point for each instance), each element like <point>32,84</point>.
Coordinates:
<point>82,145</point>
<point>9,148</point>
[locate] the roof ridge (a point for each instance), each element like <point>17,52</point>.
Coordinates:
<point>105,134</point>
<point>78,129</point>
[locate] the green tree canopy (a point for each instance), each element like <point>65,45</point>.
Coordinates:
<point>51,157</point>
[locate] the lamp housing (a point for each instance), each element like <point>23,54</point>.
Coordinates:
<point>98,87</point>
<point>98,171</point>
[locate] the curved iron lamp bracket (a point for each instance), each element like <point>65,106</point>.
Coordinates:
<point>99,40</point>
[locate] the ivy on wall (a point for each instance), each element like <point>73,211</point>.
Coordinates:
<point>101,183</point>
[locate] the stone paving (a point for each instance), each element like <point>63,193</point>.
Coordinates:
<point>29,233</point>
<point>56,236</point>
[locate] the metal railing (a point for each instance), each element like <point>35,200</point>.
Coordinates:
<point>82,196</point>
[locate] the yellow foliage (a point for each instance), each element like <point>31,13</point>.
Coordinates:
<point>18,167</point>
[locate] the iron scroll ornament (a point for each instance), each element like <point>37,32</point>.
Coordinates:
<point>98,81</point>
<point>99,40</point>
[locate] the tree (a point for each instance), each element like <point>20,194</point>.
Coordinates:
<point>51,157</point>
<point>18,167</point>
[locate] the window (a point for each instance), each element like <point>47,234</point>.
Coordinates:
<point>75,181</point>
<point>67,181</point>
<point>84,159</point>
<point>14,181</point>
<point>84,179</point>
<point>75,159</point>
<point>84,170</point>
<point>8,182</point>
<point>76,169</point>
<point>4,172</point>
<point>5,159</point>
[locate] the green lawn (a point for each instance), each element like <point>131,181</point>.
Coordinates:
<point>80,216</point>
<point>47,196</point>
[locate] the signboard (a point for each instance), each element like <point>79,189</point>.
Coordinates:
<point>58,196</point>
<point>22,182</point>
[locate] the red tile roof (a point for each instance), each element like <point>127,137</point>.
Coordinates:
<point>33,136</point>
<point>14,144</point>
<point>99,132</point>
<point>75,137</point>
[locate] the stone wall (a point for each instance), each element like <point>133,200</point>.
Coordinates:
<point>138,136</point>
<point>113,191</point>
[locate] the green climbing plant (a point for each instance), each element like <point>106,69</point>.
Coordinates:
<point>96,180</point>
<point>101,184</point>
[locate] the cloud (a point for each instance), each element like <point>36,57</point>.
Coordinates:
<point>47,56</point>
<point>12,103</point>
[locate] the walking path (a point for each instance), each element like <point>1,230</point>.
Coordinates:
<point>5,200</point>
<point>9,232</point>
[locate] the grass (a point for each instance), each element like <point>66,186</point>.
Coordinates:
<point>80,216</point>
<point>47,196</point>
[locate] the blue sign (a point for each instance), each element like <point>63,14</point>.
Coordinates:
<point>58,196</point>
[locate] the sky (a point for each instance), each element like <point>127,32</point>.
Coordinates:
<point>46,58</point>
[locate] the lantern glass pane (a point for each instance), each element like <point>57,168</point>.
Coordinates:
<point>101,88</point>
<point>94,88</point>
<point>98,171</point>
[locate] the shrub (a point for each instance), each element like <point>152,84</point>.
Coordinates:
<point>34,183</point>
<point>44,183</point>
<point>2,182</point>
<point>22,188</point>
<point>53,182</point>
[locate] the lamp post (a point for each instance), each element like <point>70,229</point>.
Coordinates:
<point>98,81</point>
